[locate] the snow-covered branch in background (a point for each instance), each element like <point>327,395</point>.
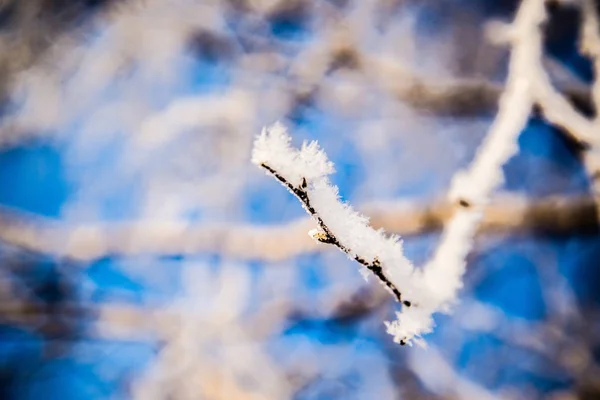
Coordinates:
<point>471,189</point>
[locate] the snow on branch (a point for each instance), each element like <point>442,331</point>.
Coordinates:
<point>433,288</point>
<point>471,189</point>
<point>423,292</point>
<point>304,172</point>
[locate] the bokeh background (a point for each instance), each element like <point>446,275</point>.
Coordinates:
<point>143,256</point>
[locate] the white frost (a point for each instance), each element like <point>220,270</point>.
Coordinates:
<point>433,288</point>
<point>272,147</point>
<point>351,229</point>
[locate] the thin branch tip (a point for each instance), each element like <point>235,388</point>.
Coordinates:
<point>324,234</point>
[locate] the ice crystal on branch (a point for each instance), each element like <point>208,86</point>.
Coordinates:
<point>273,148</point>
<point>304,172</point>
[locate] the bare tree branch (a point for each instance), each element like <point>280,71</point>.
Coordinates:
<point>554,215</point>
<point>457,97</point>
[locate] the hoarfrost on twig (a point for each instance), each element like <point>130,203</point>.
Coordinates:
<point>304,172</point>
<point>434,288</point>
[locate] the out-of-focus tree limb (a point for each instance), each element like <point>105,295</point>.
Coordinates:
<point>556,215</point>
<point>111,321</point>
<point>457,97</point>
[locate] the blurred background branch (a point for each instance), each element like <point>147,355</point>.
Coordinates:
<point>507,213</point>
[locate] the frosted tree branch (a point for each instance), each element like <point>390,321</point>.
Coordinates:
<point>558,111</point>
<point>471,189</point>
<point>304,173</point>
<point>432,289</point>
<point>555,106</point>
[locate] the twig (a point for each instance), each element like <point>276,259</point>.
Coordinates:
<point>328,237</point>
<point>304,172</point>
